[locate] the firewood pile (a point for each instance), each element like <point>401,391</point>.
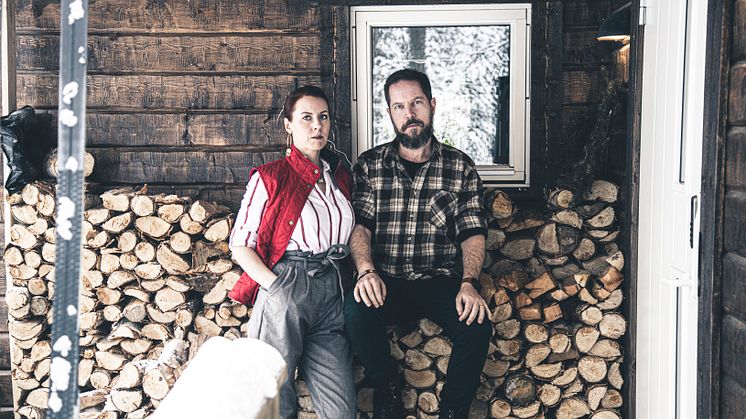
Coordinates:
<point>157,271</point>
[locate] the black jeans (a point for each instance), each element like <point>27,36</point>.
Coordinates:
<point>409,300</point>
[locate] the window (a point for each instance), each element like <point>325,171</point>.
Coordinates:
<point>477,58</point>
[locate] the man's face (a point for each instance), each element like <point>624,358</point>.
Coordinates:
<point>411,113</point>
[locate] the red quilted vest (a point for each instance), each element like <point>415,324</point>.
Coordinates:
<point>289,181</point>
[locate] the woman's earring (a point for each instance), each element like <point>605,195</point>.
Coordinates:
<point>288,142</point>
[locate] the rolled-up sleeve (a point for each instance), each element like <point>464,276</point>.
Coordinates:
<point>470,219</point>
<point>363,199</point>
<point>250,214</point>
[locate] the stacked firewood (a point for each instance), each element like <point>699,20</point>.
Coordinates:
<point>156,273</point>
<point>552,278</point>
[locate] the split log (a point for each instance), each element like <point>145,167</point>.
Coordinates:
<point>606,349</point>
<point>171,261</point>
<point>420,379</point>
<point>142,205</point>
<point>495,239</point>
<point>560,198</point>
<point>171,213</point>
<point>592,369</point>
<point>585,338</point>
<point>520,389</point>
<point>200,210</point>
<point>510,274</point>
<point>126,400</point>
<point>540,285</point>
<point>524,220</point>
<point>495,368</point>
<point>519,249</point>
<point>529,411</point>
<point>603,191</point>
<point>585,250</point>
<point>615,376</point>
<point>180,242</point>
<point>118,224</point>
<point>154,227</point>
<point>603,219</point>
<point>549,395</point>
<point>501,206</point>
<point>568,217</point>
<point>612,325</point>
<point>572,408</point>
<point>612,399</point>
<point>500,408</point>
<point>566,377</point>
<point>51,164</point>
<point>417,360</point>
<point>190,226</point>
<point>536,333</point>
<point>217,230</point>
<point>168,299</point>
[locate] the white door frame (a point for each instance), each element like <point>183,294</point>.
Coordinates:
<point>673,69</point>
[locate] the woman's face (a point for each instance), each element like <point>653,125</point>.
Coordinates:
<point>310,125</point>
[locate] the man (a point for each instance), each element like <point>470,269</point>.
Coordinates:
<point>418,247</point>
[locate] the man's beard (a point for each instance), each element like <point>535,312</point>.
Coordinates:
<point>415,141</point>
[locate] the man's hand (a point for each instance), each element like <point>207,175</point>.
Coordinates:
<point>470,305</point>
<point>371,290</point>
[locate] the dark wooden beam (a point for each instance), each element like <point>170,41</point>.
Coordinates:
<point>631,206</point>
<point>711,234</point>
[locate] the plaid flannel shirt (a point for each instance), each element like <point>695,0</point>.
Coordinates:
<point>418,224</point>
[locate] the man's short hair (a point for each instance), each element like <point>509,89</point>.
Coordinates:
<point>408,74</point>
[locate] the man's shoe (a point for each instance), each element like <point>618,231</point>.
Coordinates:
<point>462,413</point>
<point>387,402</point>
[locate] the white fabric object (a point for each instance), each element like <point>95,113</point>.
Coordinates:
<point>236,379</point>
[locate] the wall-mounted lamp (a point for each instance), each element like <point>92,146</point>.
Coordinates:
<point>616,26</point>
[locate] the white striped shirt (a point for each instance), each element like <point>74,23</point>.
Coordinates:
<point>326,219</point>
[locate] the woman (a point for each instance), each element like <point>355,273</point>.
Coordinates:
<point>290,236</point>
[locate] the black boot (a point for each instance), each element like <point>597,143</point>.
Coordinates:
<point>460,413</point>
<point>387,402</point>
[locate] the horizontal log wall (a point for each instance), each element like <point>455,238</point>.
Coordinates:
<point>733,332</point>
<point>181,95</point>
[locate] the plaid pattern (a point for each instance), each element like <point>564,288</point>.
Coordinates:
<point>418,223</point>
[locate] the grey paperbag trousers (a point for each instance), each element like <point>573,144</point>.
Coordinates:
<point>301,316</point>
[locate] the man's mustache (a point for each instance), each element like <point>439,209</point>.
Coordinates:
<point>410,122</point>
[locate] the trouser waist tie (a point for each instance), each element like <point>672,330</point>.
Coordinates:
<point>317,264</point>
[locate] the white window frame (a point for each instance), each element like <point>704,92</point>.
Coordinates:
<point>364,18</point>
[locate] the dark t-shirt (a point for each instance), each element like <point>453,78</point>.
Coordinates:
<point>411,167</point>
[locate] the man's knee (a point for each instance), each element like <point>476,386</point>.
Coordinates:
<point>356,313</point>
<point>476,333</point>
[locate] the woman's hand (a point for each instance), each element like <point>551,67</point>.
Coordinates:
<point>252,264</point>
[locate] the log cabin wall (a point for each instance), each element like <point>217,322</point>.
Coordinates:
<point>733,322</point>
